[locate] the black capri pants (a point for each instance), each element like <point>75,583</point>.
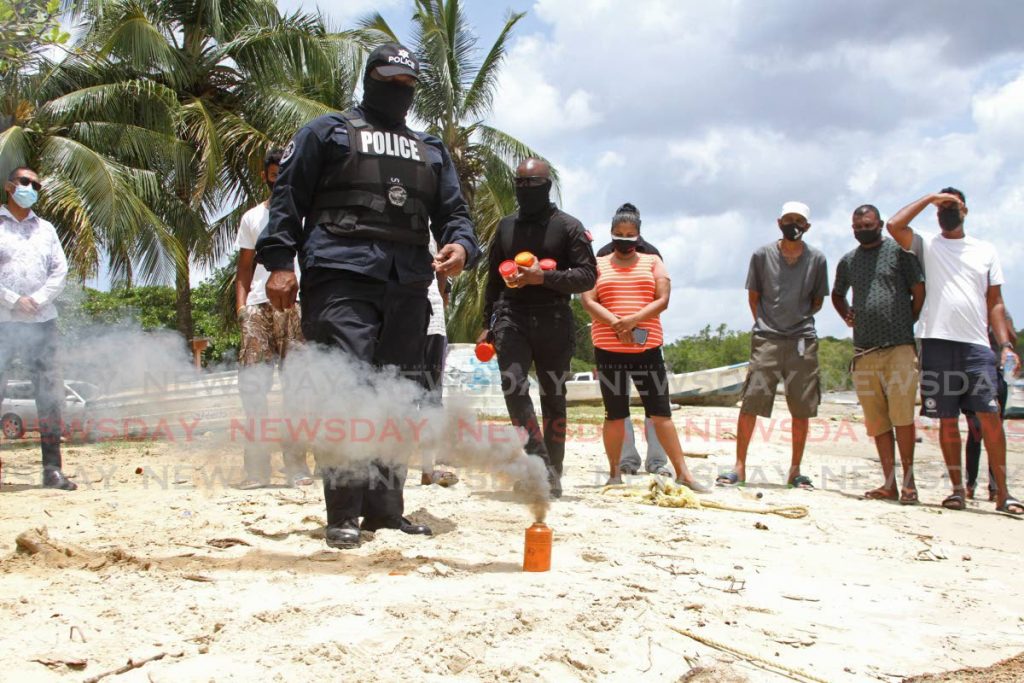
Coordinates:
<point>646,369</point>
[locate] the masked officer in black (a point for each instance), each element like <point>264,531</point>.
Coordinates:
<point>354,197</point>
<point>529,319</point>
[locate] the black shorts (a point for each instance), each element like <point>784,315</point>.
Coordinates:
<point>957,376</point>
<point>646,369</point>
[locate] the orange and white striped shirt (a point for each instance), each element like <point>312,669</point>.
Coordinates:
<point>624,291</point>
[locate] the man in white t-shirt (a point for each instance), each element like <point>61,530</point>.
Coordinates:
<point>434,353</point>
<point>958,368</point>
<point>267,337</point>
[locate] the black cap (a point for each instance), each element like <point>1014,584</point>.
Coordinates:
<point>392,59</point>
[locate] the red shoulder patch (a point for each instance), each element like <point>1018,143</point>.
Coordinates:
<point>590,238</point>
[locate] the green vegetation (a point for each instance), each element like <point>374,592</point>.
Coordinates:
<point>28,27</point>
<point>712,349</point>
<point>153,308</point>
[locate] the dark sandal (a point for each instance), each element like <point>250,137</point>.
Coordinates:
<point>444,478</point>
<point>909,498</point>
<point>1011,502</point>
<point>299,480</point>
<point>728,479</point>
<point>954,502</point>
<point>801,481</point>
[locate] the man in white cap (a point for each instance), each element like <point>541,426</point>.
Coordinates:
<point>786,284</point>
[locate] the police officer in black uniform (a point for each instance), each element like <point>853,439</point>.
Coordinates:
<point>530,321</point>
<point>354,198</point>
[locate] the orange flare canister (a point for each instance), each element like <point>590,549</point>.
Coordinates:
<point>537,553</point>
<point>548,264</point>
<point>507,269</point>
<point>525,259</point>
<point>484,351</point>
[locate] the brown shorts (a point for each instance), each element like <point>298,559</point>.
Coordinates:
<point>791,361</point>
<point>886,383</point>
<point>268,335</point>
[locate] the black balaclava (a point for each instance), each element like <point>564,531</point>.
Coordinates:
<point>387,101</point>
<point>533,201</point>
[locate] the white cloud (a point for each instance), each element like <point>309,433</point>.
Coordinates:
<point>999,113</point>
<point>611,159</point>
<point>528,106</point>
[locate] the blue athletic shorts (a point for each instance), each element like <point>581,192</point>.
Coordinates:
<point>957,376</point>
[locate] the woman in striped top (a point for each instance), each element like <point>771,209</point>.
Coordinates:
<point>631,292</point>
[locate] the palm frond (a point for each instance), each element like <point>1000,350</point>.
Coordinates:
<point>374,30</point>
<point>480,95</point>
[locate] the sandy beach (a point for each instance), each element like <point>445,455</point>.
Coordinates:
<point>154,557</point>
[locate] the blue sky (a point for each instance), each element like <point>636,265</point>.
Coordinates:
<point>709,115</point>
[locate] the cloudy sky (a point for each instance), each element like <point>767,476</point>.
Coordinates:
<point>709,115</point>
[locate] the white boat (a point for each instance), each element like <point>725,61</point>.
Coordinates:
<point>715,386</point>
<point>188,404</point>
<point>465,376</point>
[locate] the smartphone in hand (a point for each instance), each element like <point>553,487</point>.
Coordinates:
<point>639,336</point>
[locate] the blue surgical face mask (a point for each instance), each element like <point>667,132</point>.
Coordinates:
<point>25,196</point>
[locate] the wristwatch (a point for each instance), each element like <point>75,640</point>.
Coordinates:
<point>1006,345</point>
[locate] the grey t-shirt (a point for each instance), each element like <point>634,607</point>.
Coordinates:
<point>787,291</point>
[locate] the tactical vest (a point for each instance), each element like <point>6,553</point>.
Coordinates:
<point>553,246</point>
<point>383,189</point>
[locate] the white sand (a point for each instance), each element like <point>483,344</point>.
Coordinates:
<point>856,590</point>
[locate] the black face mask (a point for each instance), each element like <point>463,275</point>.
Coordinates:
<point>624,246</point>
<point>949,218</point>
<point>533,200</point>
<point>791,231</point>
<point>868,236</point>
<point>387,100</point>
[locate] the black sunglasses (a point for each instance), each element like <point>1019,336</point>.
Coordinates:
<point>25,182</point>
<point>531,181</point>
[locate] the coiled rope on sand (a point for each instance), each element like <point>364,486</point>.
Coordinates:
<point>665,493</point>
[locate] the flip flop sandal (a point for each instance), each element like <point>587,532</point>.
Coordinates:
<point>875,494</point>
<point>729,479</point>
<point>298,480</point>
<point>909,499</point>
<point>1011,502</point>
<point>801,482</point>
<point>444,478</point>
<point>627,470</point>
<point>252,485</point>
<point>954,502</point>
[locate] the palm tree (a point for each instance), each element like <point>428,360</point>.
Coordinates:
<point>95,144</point>
<point>454,99</point>
<point>233,78</point>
